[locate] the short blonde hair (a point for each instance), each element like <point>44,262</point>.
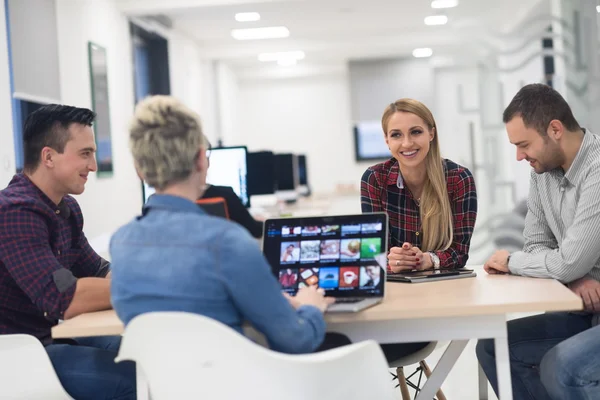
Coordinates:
<point>165,138</point>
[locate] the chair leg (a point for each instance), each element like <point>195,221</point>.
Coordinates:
<point>440,395</point>
<point>402,382</point>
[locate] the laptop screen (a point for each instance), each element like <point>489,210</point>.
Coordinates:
<point>336,253</point>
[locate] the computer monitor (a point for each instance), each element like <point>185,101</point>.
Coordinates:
<point>286,167</point>
<point>303,186</point>
<point>369,142</point>
<point>228,167</point>
<point>261,173</point>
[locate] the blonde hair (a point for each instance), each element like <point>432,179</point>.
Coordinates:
<point>435,210</point>
<point>165,139</point>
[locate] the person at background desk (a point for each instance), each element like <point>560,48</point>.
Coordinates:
<point>554,355</point>
<point>175,257</point>
<point>48,271</point>
<point>237,212</point>
<point>431,202</point>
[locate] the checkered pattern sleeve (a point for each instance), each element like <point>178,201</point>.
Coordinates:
<point>370,192</point>
<point>27,255</point>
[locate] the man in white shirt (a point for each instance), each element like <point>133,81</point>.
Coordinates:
<point>554,355</point>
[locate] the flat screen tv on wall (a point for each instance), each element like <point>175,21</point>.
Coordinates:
<point>369,142</point>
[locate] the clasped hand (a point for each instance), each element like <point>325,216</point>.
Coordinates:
<point>408,257</point>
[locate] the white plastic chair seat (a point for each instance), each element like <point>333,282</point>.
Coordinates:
<point>26,372</point>
<point>415,357</point>
<point>188,356</point>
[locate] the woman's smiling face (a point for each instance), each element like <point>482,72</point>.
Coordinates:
<point>408,138</point>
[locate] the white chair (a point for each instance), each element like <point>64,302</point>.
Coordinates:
<point>26,372</point>
<point>188,356</point>
<point>417,357</point>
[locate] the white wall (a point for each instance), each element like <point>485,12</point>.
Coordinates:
<point>32,79</point>
<point>228,104</point>
<point>7,148</point>
<point>457,106</point>
<point>192,81</point>
<point>513,79</point>
<point>302,115</point>
<point>376,83</point>
<point>108,202</point>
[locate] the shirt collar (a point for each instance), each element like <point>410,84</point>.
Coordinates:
<point>62,208</point>
<point>575,172</point>
<point>172,203</point>
<point>394,177</point>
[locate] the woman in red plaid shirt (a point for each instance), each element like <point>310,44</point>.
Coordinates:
<point>431,201</point>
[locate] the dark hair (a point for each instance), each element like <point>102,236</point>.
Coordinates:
<point>48,127</point>
<point>538,104</point>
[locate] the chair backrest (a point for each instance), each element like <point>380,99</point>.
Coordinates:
<point>26,372</point>
<point>216,206</point>
<point>188,356</point>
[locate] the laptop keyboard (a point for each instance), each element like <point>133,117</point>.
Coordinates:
<point>349,300</point>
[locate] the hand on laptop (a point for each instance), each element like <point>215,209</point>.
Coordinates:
<point>407,258</point>
<point>310,296</point>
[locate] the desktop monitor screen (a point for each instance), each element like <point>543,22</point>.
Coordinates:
<point>228,167</point>
<point>286,167</point>
<point>261,173</point>
<point>370,142</point>
<point>302,172</point>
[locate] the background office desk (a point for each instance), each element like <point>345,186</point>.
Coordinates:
<point>455,310</point>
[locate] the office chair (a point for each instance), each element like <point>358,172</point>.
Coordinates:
<point>190,356</point>
<point>417,357</point>
<point>214,206</point>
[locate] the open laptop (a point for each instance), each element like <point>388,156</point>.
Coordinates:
<point>337,253</point>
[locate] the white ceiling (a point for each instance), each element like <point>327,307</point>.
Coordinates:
<point>331,32</point>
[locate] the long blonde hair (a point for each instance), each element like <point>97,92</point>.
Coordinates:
<point>435,210</point>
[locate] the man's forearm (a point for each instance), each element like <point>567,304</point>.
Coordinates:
<point>91,294</point>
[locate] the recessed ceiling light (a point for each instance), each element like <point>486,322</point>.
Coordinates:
<point>598,9</point>
<point>436,20</point>
<point>422,52</point>
<point>247,17</point>
<point>271,32</point>
<point>287,62</point>
<point>444,3</point>
<point>296,55</point>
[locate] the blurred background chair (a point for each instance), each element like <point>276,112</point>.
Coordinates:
<point>214,206</point>
<point>501,231</point>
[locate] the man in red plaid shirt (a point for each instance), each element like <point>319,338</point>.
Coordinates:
<point>48,271</point>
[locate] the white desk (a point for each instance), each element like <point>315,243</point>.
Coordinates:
<point>455,310</point>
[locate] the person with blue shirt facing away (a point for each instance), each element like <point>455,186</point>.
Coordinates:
<point>175,257</point>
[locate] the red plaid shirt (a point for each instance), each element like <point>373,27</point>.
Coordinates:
<point>42,253</point>
<point>382,189</point>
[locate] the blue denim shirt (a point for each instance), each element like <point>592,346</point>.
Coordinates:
<point>175,257</point>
